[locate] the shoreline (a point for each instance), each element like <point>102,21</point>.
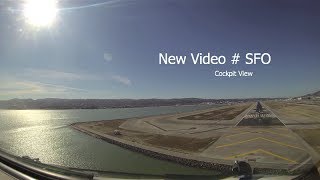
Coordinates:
<point>116,107</point>
<point>189,160</point>
<point>151,152</point>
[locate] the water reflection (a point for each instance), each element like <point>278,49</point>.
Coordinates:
<point>45,134</point>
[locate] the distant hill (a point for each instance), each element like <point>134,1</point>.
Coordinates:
<point>52,103</point>
<point>315,94</point>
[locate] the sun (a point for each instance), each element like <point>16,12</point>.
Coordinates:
<point>40,13</point>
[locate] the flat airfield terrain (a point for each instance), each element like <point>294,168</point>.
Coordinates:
<point>277,140</point>
<point>303,119</point>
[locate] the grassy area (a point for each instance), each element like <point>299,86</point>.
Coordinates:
<point>174,143</point>
<point>311,136</point>
<point>228,113</point>
<point>296,111</point>
<point>107,126</point>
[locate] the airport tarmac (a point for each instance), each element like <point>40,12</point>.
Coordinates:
<point>264,140</point>
<point>262,143</point>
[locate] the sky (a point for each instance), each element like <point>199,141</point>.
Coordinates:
<point>110,49</point>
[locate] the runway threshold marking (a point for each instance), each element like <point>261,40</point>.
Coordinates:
<point>258,138</point>
<point>263,151</point>
<point>269,109</point>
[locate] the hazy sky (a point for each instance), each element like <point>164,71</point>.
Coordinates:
<point>111,50</point>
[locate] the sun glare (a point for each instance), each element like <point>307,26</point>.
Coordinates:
<point>40,13</point>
